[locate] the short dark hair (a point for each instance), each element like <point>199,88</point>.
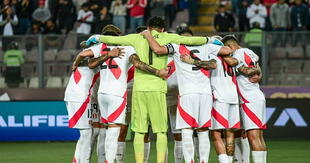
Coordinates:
<point>141,29</point>
<point>13,45</point>
<point>85,4</point>
<point>229,38</point>
<point>183,28</point>
<point>156,22</point>
<point>111,30</point>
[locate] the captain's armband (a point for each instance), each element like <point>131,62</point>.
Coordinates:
<point>170,48</point>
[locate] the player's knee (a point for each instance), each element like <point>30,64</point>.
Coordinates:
<point>177,137</point>
<point>123,133</point>
<point>146,138</point>
<point>216,135</point>
<point>202,129</point>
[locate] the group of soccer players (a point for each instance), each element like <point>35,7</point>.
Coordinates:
<point>217,90</point>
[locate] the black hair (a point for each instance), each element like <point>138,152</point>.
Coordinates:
<point>156,22</point>
<point>183,28</point>
<point>110,33</point>
<point>13,45</point>
<point>141,29</point>
<point>228,38</point>
<point>86,4</point>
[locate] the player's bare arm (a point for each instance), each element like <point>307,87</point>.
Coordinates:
<point>257,77</point>
<point>225,51</point>
<point>249,71</point>
<point>95,62</point>
<point>79,58</point>
<point>135,60</point>
<point>230,61</point>
<point>211,64</point>
<point>156,48</point>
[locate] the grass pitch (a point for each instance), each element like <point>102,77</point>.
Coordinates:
<point>62,152</point>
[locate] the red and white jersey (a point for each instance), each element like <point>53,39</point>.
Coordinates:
<point>223,88</point>
<point>114,71</point>
<point>192,79</point>
<point>172,80</point>
<point>80,84</point>
<point>247,90</point>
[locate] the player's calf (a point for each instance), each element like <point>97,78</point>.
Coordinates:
<point>121,145</point>
<point>204,144</point>
<point>219,146</point>
<point>112,135</point>
<point>188,145</point>
<point>178,154</point>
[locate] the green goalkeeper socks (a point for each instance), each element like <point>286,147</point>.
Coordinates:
<point>161,146</point>
<point>138,144</point>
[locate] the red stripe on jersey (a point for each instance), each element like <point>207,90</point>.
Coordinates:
<point>184,51</point>
<point>186,117</point>
<point>76,117</point>
<point>77,76</point>
<point>103,120</point>
<point>207,124</point>
<point>248,60</point>
<point>119,110</point>
<point>74,160</point>
<point>234,79</point>
<point>237,125</point>
<point>253,117</point>
<point>131,74</point>
<point>171,68</point>
<point>103,49</point>
<point>192,161</point>
<point>218,117</point>
<point>116,71</point>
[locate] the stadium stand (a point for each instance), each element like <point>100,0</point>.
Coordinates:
<point>54,82</point>
<point>34,82</point>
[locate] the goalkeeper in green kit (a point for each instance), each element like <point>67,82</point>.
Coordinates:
<point>149,91</point>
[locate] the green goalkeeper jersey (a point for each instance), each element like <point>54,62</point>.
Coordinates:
<point>142,80</point>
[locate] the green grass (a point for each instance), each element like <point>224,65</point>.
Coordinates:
<point>62,152</point>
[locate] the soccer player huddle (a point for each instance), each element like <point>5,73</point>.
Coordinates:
<point>212,89</point>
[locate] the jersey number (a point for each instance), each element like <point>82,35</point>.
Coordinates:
<point>109,64</point>
<point>192,54</point>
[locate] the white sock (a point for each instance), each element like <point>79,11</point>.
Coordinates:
<point>101,145</point>
<point>121,148</point>
<point>265,156</point>
<point>230,159</point>
<point>204,146</point>
<point>237,153</point>
<point>196,145</point>
<point>223,158</point>
<point>245,150</point>
<point>178,154</point>
<point>112,135</point>
<point>258,156</point>
<point>83,146</point>
<point>188,145</point>
<point>147,149</point>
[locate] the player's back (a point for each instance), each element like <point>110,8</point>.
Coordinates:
<point>247,89</point>
<point>192,79</point>
<point>223,87</point>
<point>80,83</point>
<point>114,71</point>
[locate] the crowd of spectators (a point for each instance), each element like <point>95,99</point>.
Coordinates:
<point>86,16</point>
<point>270,15</point>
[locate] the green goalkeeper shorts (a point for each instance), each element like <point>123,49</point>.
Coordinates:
<point>149,107</point>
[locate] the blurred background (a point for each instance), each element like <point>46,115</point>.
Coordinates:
<point>40,39</point>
